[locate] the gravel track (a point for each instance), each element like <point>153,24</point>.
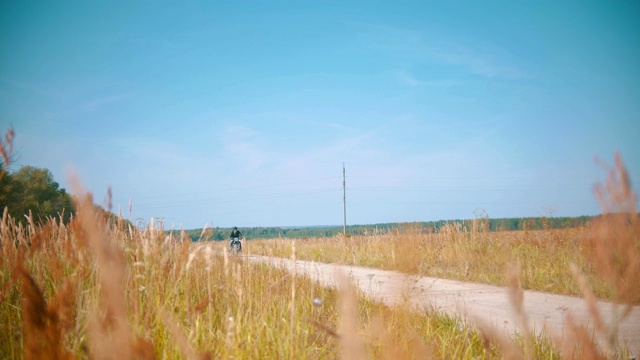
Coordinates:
<point>476,303</point>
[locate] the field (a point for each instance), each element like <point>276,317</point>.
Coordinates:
<point>545,256</point>
<point>95,289</point>
<point>99,288</point>
<point>604,253</point>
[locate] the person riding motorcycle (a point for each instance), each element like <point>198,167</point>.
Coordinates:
<point>235,236</point>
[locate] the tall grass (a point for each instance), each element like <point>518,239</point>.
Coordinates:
<point>600,260</point>
<point>99,289</point>
<point>96,289</point>
<point>456,253</point>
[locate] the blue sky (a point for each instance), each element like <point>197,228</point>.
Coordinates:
<point>228,113</point>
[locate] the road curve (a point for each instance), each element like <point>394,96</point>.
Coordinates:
<point>473,302</point>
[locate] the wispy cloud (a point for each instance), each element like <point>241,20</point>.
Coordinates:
<point>479,57</point>
<point>98,102</point>
<point>313,122</point>
<point>406,78</point>
<point>336,126</point>
<point>245,146</point>
<point>33,88</point>
<point>363,146</point>
<point>482,62</point>
<point>388,38</point>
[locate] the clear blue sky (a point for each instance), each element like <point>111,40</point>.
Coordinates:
<point>242,113</point>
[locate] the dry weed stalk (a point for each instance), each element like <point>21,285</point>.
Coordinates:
<point>44,332</point>
<point>390,348</point>
<point>516,297</point>
<point>292,309</point>
<point>110,334</point>
<point>351,344</point>
<point>616,236</point>
<point>491,336</point>
<point>181,339</point>
<point>45,323</point>
<point>615,252</point>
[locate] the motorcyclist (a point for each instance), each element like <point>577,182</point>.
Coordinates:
<point>234,236</point>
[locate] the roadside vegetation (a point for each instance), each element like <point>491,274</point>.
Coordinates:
<point>453,253</point>
<point>100,288</point>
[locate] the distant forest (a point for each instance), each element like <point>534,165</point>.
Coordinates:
<point>534,223</point>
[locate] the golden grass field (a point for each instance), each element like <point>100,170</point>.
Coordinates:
<point>544,255</point>
<point>98,288</point>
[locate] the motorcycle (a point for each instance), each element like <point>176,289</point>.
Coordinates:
<point>236,245</point>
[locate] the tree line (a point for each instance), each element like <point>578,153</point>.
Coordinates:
<point>483,224</point>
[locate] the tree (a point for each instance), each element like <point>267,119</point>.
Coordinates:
<point>10,194</point>
<point>33,189</point>
<point>6,151</point>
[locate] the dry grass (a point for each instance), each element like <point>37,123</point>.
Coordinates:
<point>545,255</point>
<point>601,260</point>
<point>98,288</point>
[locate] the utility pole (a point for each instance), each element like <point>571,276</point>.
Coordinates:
<point>344,202</point>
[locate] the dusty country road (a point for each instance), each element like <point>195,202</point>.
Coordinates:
<point>473,302</point>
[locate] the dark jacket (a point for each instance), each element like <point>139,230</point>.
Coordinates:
<point>235,234</point>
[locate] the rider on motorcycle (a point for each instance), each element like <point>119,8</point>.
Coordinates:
<point>235,236</point>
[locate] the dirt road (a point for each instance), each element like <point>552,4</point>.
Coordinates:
<point>473,302</point>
